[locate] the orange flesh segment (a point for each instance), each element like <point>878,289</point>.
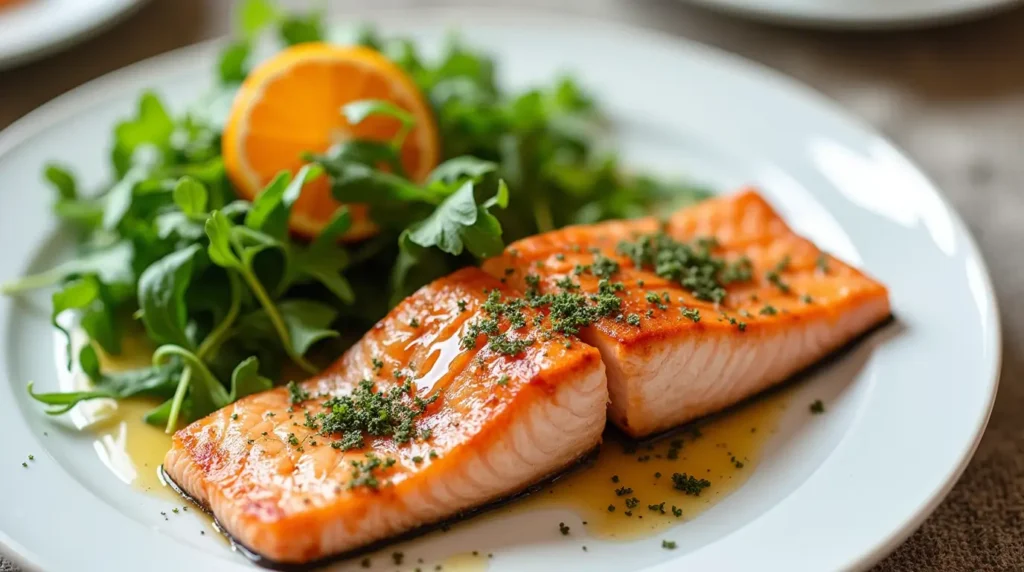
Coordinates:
<point>292,104</point>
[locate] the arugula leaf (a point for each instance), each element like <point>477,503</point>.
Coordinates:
<point>460,223</point>
<point>118,199</point>
<point>246,379</point>
<point>152,126</point>
<point>218,229</point>
<point>267,203</point>
<point>299,29</point>
<point>162,289</point>
<point>272,207</point>
<point>62,180</point>
<point>74,295</point>
<point>112,265</point>
<point>255,15</point>
<point>191,196</point>
<point>307,322</point>
<point>459,168</point>
<point>339,224</point>
<point>233,65</point>
<point>358,111</point>
<point>98,320</point>
<point>150,381</point>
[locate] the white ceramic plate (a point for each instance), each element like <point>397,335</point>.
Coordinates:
<point>33,28</point>
<point>834,491</point>
<point>861,14</point>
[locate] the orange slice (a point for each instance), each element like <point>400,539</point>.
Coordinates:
<point>292,104</point>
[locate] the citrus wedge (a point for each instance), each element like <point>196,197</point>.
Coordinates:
<point>292,104</point>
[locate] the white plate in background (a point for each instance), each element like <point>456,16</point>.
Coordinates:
<point>833,491</point>
<point>860,14</point>
<point>33,28</point>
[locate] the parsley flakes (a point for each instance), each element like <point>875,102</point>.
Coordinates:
<point>690,265</point>
<point>689,484</point>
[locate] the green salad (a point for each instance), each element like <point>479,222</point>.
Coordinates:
<point>231,299</point>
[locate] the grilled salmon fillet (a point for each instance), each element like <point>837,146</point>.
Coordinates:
<point>719,302</point>
<point>422,419</point>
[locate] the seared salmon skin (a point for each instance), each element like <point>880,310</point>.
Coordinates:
<point>451,401</point>
<point>718,303</point>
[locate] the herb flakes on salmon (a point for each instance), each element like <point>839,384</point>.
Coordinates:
<point>716,304</point>
<point>411,426</point>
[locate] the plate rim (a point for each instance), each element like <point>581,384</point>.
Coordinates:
<point>54,42</point>
<point>96,91</point>
<point>758,10</point>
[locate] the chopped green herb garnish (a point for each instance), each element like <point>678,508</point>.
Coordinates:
<point>768,310</point>
<point>377,413</point>
<point>775,275</point>
<point>692,314</point>
<point>296,393</point>
<point>563,529</point>
<point>739,271</point>
<point>677,512</point>
<point>689,484</point>
<point>367,473</point>
<point>503,380</point>
<point>822,263</point>
<point>604,267</point>
<point>633,320</point>
<point>659,508</point>
<point>817,407</point>
<point>654,298</point>
<point>806,299</point>
<point>668,544</point>
<point>690,265</point>
<point>623,491</point>
<point>414,323</point>
<point>397,558</point>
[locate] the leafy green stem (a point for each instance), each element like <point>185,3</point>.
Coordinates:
<point>197,366</point>
<point>542,213</point>
<point>223,329</point>
<point>206,348</point>
<point>41,280</point>
<point>276,319</point>
<point>178,400</point>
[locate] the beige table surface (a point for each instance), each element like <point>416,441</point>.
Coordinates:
<point>953,98</point>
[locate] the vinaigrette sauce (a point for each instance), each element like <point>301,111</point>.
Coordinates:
<point>615,496</point>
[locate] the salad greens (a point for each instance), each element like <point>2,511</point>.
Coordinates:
<point>231,298</point>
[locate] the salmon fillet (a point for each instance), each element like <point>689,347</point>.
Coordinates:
<point>446,422</point>
<point>774,304</point>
